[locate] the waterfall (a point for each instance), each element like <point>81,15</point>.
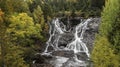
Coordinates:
<point>56,30</point>
<point>77,45</point>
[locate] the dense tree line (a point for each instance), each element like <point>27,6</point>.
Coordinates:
<point>20,30</point>
<point>106,52</point>
<point>62,8</point>
<point>23,25</point>
<point>83,8</point>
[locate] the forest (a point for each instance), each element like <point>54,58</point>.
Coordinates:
<point>24,28</point>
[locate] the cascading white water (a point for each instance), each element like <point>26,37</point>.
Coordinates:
<point>77,45</point>
<point>57,28</point>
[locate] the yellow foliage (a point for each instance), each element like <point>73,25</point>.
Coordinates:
<point>22,25</point>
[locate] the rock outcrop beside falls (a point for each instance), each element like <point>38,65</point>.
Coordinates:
<point>66,38</point>
<point>89,35</point>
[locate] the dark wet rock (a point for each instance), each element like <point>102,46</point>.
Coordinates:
<point>71,21</point>
<point>42,65</point>
<point>50,49</point>
<point>94,25</point>
<point>65,39</point>
<point>88,39</point>
<point>82,56</point>
<point>47,56</point>
<point>64,53</point>
<point>89,35</point>
<point>74,22</point>
<point>40,59</point>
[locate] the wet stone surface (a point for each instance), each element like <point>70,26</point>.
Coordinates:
<point>64,53</point>
<point>65,39</point>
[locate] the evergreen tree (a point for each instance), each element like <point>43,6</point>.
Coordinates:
<point>25,32</point>
<point>106,51</point>
<point>38,16</point>
<point>103,55</point>
<point>10,54</point>
<point>13,57</point>
<point>11,6</point>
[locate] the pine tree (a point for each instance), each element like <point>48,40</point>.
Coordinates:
<point>38,16</point>
<point>13,57</point>
<point>103,55</point>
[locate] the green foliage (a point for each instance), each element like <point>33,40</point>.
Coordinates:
<point>22,28</point>
<point>11,6</point>
<point>106,52</point>
<point>38,16</point>
<point>110,26</point>
<point>13,57</point>
<point>10,55</point>
<point>95,3</point>
<point>47,12</point>
<point>25,32</point>
<point>55,7</point>
<point>115,35</point>
<point>103,55</point>
<point>109,16</point>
